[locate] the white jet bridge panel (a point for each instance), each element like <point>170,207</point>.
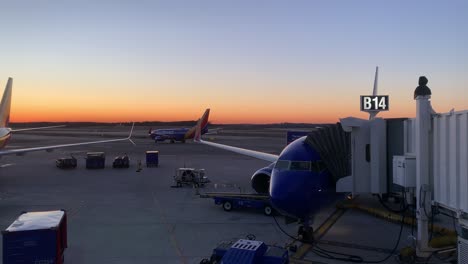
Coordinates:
<point>450,160</point>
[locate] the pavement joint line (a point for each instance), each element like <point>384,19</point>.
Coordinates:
<point>170,229</point>
<point>320,232</point>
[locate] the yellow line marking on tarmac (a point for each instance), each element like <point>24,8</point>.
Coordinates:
<point>321,231</point>
<point>170,229</point>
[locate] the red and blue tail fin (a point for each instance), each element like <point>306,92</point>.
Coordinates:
<point>204,120</point>
<point>202,125</point>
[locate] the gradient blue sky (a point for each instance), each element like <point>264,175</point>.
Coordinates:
<point>250,61</point>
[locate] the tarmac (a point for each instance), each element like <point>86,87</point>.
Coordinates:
<point>118,216</point>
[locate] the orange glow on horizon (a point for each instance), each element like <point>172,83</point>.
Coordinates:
<point>228,106</point>
<point>222,116</point>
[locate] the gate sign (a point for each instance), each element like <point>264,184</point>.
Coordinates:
<point>374,103</point>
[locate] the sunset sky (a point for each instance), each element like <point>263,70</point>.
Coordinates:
<point>249,61</point>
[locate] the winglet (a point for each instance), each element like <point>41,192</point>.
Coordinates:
<point>5,104</point>
<point>130,135</point>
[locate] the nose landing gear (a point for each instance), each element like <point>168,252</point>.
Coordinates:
<point>306,234</point>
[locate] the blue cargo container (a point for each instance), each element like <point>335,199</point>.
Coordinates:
<point>152,158</point>
<point>95,160</point>
<point>36,237</point>
<point>293,135</point>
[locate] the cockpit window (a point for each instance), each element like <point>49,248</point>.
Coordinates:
<point>282,164</point>
<point>300,165</point>
<point>314,166</point>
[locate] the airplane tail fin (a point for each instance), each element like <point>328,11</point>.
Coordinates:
<point>201,125</point>
<point>197,136</point>
<point>204,119</point>
<point>5,104</point>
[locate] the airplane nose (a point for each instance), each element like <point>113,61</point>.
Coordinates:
<point>297,194</point>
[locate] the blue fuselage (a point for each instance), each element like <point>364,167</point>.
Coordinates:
<point>300,185</point>
<point>175,134</point>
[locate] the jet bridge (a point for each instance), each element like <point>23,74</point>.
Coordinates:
<point>426,156</point>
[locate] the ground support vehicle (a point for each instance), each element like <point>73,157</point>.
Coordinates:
<point>231,201</point>
<point>247,252</point>
<point>190,176</point>
<point>121,162</point>
<point>66,163</point>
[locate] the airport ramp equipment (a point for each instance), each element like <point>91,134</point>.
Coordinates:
<point>36,237</point>
<point>246,251</point>
<point>66,163</point>
<point>334,147</point>
<point>231,201</point>
<point>121,162</point>
<point>95,160</point>
<point>190,176</point>
<point>152,158</point>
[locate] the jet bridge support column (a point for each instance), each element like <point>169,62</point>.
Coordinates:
<point>423,193</point>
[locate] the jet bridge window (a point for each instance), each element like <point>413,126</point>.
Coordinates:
<point>300,165</point>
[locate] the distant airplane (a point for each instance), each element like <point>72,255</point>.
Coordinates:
<point>181,134</point>
<point>5,131</point>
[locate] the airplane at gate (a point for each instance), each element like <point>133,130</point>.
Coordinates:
<point>5,131</point>
<point>297,180</point>
<point>179,134</point>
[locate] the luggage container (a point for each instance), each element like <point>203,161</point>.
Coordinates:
<point>95,160</point>
<point>152,158</point>
<point>36,237</point>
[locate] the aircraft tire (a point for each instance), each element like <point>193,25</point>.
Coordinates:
<point>227,206</point>
<point>267,210</point>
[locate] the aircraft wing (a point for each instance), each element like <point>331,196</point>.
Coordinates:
<point>35,128</point>
<point>23,151</point>
<point>251,153</point>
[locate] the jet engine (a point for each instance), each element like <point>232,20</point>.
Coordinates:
<point>261,179</point>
